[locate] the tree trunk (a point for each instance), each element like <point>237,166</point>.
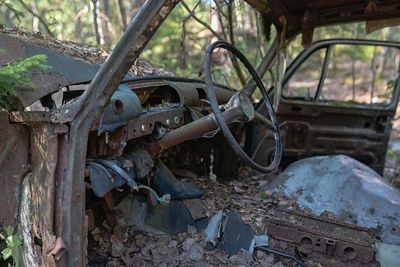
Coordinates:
<point>97,24</point>
<point>373,69</point>
<point>106,24</point>
<point>121,13</point>
<point>353,59</point>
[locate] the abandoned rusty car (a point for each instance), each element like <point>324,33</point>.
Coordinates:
<point>109,130</point>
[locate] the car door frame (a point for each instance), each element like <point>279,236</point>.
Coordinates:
<point>285,114</point>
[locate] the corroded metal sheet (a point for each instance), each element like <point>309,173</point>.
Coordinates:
<point>322,240</point>
<point>13,167</point>
<point>37,202</point>
<point>304,16</point>
<point>65,70</point>
<point>327,130</point>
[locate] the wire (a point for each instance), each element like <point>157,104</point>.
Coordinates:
<point>165,199</point>
<point>282,254</point>
<point>211,134</point>
<point>204,100</point>
<point>151,190</point>
<point>101,167</point>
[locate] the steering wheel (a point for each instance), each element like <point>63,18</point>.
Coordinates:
<point>242,100</point>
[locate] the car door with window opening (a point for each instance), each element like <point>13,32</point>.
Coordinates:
<point>339,97</point>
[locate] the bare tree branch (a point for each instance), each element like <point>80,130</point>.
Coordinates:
<point>78,23</point>
<point>183,35</point>
<point>235,63</point>
<point>11,9</point>
<point>42,21</point>
<point>220,16</point>
<point>95,22</point>
<point>205,25</point>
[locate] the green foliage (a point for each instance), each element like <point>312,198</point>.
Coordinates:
<point>16,74</point>
<point>7,4</point>
<point>11,246</point>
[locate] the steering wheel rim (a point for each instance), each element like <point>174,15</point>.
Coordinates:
<point>218,114</point>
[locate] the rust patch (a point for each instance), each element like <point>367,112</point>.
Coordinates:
<point>13,50</point>
<point>13,167</point>
<point>322,240</point>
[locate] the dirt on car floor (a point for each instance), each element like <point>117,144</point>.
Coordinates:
<point>125,246</point>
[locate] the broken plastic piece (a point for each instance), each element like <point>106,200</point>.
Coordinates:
<point>117,169</point>
<point>236,234</point>
<point>213,228</point>
<point>173,218</point>
<point>166,183</point>
<point>124,105</point>
<point>165,199</point>
<point>258,241</point>
<point>106,175</point>
<point>233,233</point>
<point>101,179</point>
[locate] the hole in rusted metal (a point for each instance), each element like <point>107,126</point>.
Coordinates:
<point>350,253</point>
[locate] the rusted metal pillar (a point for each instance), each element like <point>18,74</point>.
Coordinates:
<point>81,114</point>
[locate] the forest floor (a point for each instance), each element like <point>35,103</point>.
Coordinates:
<point>125,246</point>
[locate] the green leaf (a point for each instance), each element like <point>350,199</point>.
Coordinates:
<point>18,75</point>
<point>7,252</point>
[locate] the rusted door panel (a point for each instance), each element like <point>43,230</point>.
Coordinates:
<point>322,130</point>
<point>325,127</point>
<point>14,147</point>
<point>37,202</point>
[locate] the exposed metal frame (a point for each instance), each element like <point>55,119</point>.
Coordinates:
<point>324,72</point>
<point>81,114</point>
<point>327,43</point>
